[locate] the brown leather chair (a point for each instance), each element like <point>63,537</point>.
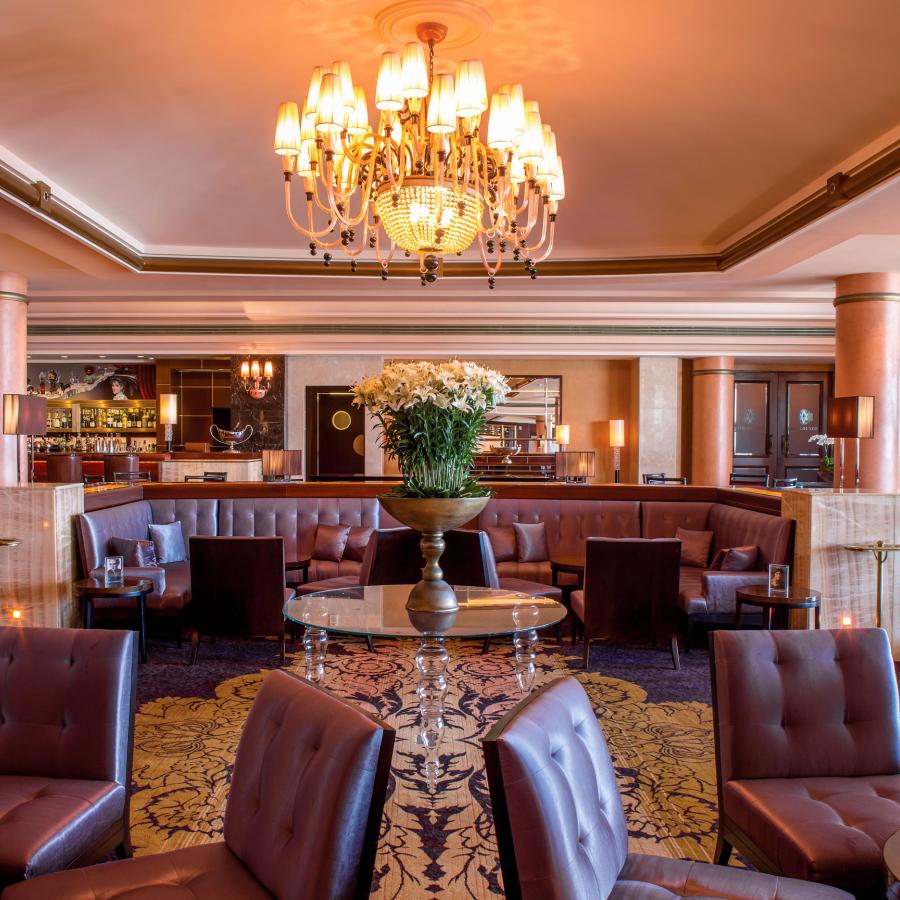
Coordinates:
<point>120,462</point>
<point>808,752</point>
<point>65,468</point>
<point>237,587</point>
<point>630,592</point>
<point>66,729</point>
<point>560,827</point>
<point>301,821</point>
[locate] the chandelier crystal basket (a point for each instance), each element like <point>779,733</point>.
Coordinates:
<point>430,179</point>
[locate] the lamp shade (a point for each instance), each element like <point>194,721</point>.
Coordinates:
<point>851,417</point>
<point>616,432</point>
<point>442,106</point>
<point>575,463</point>
<point>168,409</point>
<point>561,434</point>
<point>24,414</point>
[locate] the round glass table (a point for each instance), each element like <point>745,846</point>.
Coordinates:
<point>380,611</point>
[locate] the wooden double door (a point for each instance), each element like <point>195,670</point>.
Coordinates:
<point>775,415</point>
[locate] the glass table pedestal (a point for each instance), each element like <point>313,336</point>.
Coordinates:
<point>380,611</point>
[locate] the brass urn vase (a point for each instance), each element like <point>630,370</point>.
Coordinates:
<point>432,516</point>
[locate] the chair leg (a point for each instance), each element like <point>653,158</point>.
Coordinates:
<point>674,645</point>
<point>195,645</point>
<point>486,646</point>
<point>370,643</point>
<point>586,653</point>
<point>123,850</point>
<point>723,851</point>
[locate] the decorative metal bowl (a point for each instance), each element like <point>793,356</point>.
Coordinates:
<point>231,439</point>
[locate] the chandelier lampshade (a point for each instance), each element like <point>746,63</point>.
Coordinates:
<point>442,170</point>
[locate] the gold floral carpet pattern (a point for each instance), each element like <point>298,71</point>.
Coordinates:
<point>441,842</point>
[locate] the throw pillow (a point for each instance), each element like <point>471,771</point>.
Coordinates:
<point>503,543</point>
<point>739,559</point>
<point>357,541</point>
<point>694,546</point>
<point>330,542</point>
<point>133,553</point>
<point>531,542</point>
<point>168,541</point>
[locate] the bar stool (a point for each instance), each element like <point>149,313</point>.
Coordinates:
<point>119,462</point>
<point>64,468</point>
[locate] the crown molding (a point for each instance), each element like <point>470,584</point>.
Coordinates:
<point>38,198</point>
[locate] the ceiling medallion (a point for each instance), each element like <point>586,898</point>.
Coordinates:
<point>430,179</point>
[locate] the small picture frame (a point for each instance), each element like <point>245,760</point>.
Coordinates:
<point>779,579</point>
<point>114,571</point>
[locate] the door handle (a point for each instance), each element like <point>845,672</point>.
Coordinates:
<point>784,445</point>
<point>768,444</point>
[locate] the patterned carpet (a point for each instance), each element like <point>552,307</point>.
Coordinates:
<point>657,722</point>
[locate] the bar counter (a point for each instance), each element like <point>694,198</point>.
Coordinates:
<point>92,462</point>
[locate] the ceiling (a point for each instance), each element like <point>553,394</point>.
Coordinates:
<point>682,126</point>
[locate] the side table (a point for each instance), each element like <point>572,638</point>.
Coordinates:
<point>776,606</point>
<point>301,566</point>
<point>880,550</point>
<point>131,589</point>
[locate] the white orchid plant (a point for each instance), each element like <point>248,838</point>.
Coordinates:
<point>827,445</point>
<point>431,417</point>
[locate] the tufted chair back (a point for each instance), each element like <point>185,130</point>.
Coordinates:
<point>804,704</point>
<point>307,793</point>
<point>560,825</point>
<point>67,703</point>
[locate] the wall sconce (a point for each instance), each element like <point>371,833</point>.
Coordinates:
<point>256,381</point>
<point>24,415</point>
<point>168,416</point>
<point>617,441</point>
<point>851,417</point>
<point>561,435</point>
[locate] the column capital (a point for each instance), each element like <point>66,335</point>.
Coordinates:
<point>867,286</point>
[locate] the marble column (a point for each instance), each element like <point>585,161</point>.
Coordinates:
<point>659,415</point>
<point>867,363</point>
<point>13,359</point>
<point>712,427</point>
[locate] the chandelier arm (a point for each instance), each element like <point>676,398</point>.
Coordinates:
<point>534,247</point>
<point>346,197</point>
<point>549,249</point>
<point>310,232</point>
<point>491,270</point>
<point>384,262</point>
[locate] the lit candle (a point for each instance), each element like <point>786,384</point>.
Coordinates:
<point>846,622</point>
<point>17,613</point>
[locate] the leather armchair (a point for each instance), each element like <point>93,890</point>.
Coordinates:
<point>302,818</point>
<point>630,592</point>
<point>66,729</point>
<point>560,826</point>
<point>808,752</point>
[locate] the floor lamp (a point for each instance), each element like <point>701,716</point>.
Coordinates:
<point>24,415</point>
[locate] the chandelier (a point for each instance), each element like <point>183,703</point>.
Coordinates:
<point>429,180</point>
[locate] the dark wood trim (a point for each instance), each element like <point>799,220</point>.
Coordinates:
<point>839,189</point>
<point>756,500</point>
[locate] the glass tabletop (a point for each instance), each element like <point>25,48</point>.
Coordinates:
<point>380,610</point>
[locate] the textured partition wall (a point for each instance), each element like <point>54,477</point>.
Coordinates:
<point>36,576</point>
<point>234,469</point>
<point>826,522</point>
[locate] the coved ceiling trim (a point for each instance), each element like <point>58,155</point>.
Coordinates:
<point>839,189</point>
<point>138,330</point>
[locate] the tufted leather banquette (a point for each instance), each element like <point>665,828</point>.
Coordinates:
<point>567,524</point>
<point>808,752</point>
<point>302,817</point>
<point>66,726</point>
<point>560,826</point>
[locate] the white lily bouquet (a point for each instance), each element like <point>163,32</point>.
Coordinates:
<point>431,417</point>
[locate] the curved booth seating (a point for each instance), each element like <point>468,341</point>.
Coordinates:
<point>630,592</point>
<point>66,729</point>
<point>808,752</point>
<point>560,827</point>
<point>301,821</point>
<point>65,468</point>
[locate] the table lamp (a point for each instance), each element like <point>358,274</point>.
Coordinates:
<point>617,441</point>
<point>850,417</point>
<point>24,415</point>
<point>168,416</point>
<point>575,465</point>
